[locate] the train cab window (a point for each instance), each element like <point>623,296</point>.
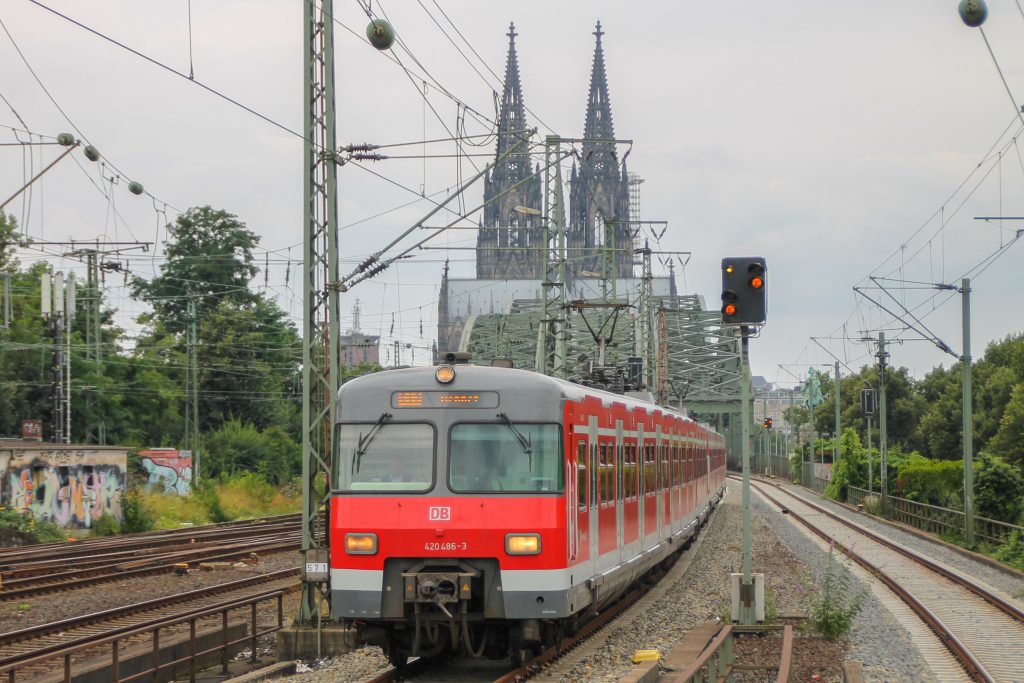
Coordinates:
<point>384,457</point>
<point>581,474</point>
<point>503,457</point>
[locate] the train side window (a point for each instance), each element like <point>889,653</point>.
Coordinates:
<point>593,475</point>
<point>581,473</point>
<point>631,470</point>
<point>602,453</point>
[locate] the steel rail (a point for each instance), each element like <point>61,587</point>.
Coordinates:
<point>64,650</point>
<point>971,665</point>
<point>147,606</point>
<point>143,539</point>
<point>71,584</point>
<point>122,560</point>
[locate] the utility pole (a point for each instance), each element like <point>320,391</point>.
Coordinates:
<point>57,305</point>
<point>968,411</point>
<point>747,615</point>
<point>883,436</point>
<point>320,325</point>
<point>553,331</point>
<point>869,454</point>
<point>839,429</point>
<point>192,382</point>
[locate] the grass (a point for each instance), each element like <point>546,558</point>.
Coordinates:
<point>242,497</point>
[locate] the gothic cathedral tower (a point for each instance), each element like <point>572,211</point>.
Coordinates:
<point>599,189</point>
<point>510,242</point>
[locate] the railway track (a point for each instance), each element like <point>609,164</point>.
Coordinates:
<point>25,575</point>
<point>32,652</point>
<point>981,628</point>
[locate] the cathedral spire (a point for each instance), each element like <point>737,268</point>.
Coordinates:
<point>599,108</point>
<point>512,117</point>
<point>510,184</point>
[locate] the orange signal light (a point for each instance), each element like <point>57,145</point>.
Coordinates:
<point>756,282</point>
<point>730,309</point>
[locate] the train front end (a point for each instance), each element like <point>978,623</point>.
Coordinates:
<point>447,516</point>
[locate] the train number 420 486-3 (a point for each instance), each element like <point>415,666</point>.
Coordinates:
<point>446,546</point>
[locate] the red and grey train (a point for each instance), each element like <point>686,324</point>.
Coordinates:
<point>491,509</point>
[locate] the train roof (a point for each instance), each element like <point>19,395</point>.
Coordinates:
<point>486,378</point>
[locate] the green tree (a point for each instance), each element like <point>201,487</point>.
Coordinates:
<point>998,489</point>
<point>237,448</point>
<point>10,240</point>
<point>1008,442</point>
<point>208,256</point>
<point>942,422</point>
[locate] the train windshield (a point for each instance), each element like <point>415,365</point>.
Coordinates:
<point>384,456</point>
<point>505,457</point>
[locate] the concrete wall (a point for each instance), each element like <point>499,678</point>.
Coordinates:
<point>69,485</point>
<point>168,469</point>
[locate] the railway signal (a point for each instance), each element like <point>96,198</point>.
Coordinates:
<point>744,290</point>
<point>768,423</point>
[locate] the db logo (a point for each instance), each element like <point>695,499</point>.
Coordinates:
<point>440,514</point>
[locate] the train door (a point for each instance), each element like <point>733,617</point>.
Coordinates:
<point>641,496</point>
<point>576,499</point>
<point>617,495</point>
<point>688,465</point>
<point>592,514</point>
<point>659,451</point>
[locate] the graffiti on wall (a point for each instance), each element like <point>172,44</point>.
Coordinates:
<point>170,470</point>
<point>68,495</point>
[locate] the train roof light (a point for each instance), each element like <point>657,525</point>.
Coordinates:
<point>444,374</point>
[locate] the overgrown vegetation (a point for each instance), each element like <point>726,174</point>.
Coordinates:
<point>836,601</point>
<point>1012,550</point>
<point>40,531</point>
<point>226,499</point>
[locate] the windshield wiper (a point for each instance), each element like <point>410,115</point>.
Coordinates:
<point>365,441</point>
<point>524,443</point>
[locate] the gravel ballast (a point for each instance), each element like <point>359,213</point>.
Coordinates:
<point>1004,582</point>
<point>876,639</point>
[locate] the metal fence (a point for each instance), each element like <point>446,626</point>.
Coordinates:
<point>811,479</point>
<point>937,520</point>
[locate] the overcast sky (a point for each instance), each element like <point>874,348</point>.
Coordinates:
<point>829,137</point>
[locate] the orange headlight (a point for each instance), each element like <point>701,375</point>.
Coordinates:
<point>361,544</point>
<point>522,544</point>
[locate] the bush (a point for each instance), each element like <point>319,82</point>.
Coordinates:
<point>136,516</point>
<point>1012,550</point>
<point>835,604</point>
<point>106,525</point>
<point>796,464</point>
<point>935,482</point>
<point>845,472</point>
<point>39,530</point>
<point>208,495</point>
<point>998,489</point>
